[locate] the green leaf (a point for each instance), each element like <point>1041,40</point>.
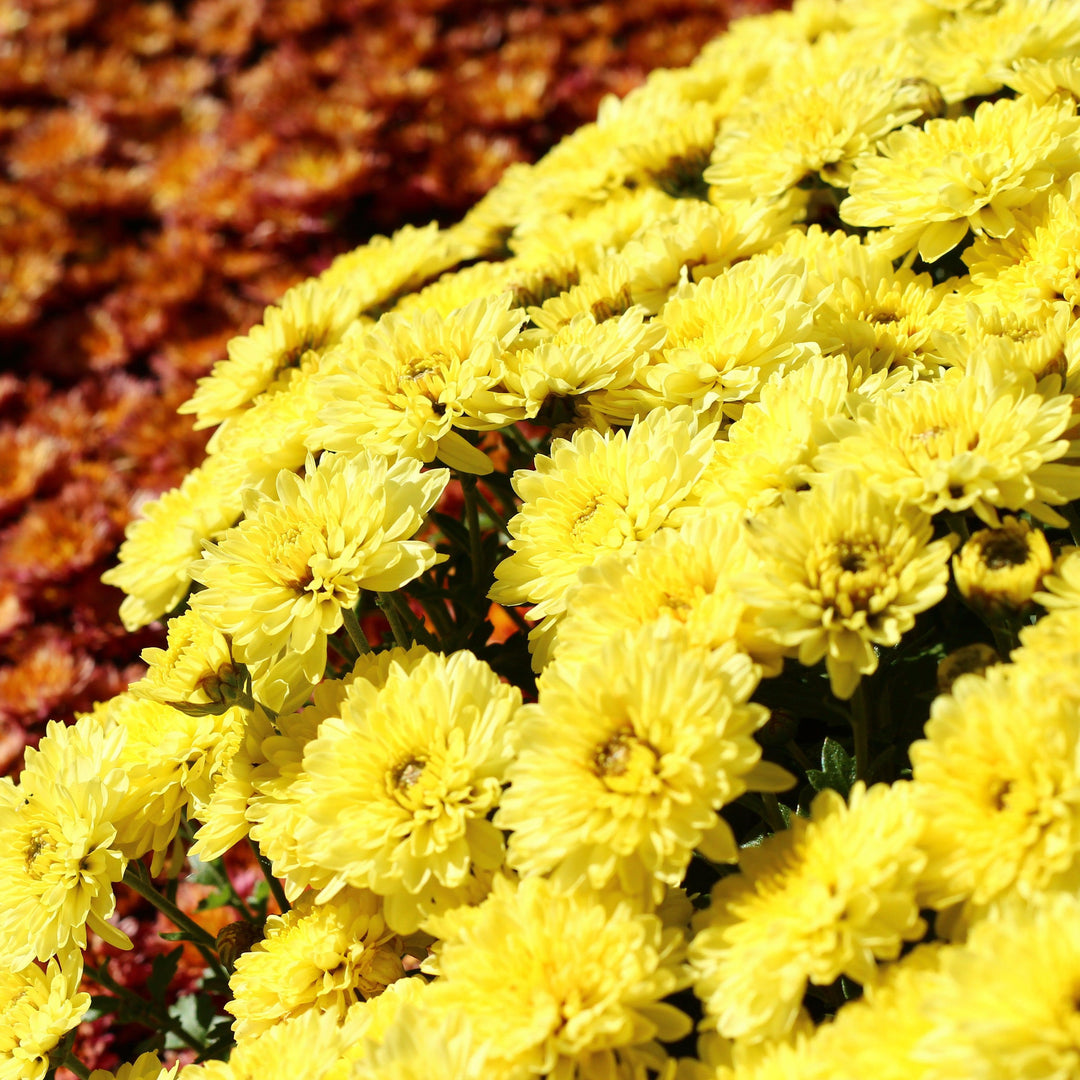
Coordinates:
<point>198,1016</point>
<point>837,767</point>
<point>162,970</point>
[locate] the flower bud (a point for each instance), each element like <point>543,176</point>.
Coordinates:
<point>999,570</point>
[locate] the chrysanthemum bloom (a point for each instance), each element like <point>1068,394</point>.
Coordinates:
<point>401,782</point>
<point>561,984</point>
<point>679,580</point>
<point>580,358</point>
<point>161,546</point>
<point>769,449</point>
<point>982,440</point>
<point>168,758</point>
<point>315,1045</point>
<point>626,760</point>
<point>402,386</point>
<point>929,186</point>
<point>1061,587</point>
<point>826,897</point>
<point>280,787</point>
<point>38,1006</point>
<point>321,957</point>
<point>971,659</point>
<point>877,1034</point>
<point>817,130</point>
<point>997,783</point>
<point>417,1038</point>
<point>308,316</point>
<point>145,1067</point>
<point>843,570</point>
<point>1005,1004</point>
<point>728,334</point>
<point>195,667</point>
<point>999,570</point>
<point>595,495</point>
<point>58,859</point>
<point>282,577</point>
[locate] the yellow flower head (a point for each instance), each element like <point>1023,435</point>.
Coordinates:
<point>626,761</point>
<point>997,783</point>
<point>1005,1004</point>
<point>283,575</point>
<point>309,316</point>
<point>196,666</point>
<point>402,386</point>
<point>728,334</point>
<point>928,186</point>
<point>561,984</point>
<point>979,441</point>
<point>58,855</point>
<point>825,897</point>
<point>843,570</point>
<point>400,783</point>
<point>1061,587</point>
<point>162,545</point>
<point>680,581</point>
<point>998,570</point>
<point>38,1006</point>
<point>320,957</point>
<point>595,495</point>
<point>818,130</point>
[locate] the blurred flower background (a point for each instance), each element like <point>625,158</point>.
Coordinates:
<point>169,169</point>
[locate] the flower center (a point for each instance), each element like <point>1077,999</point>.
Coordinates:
<point>626,763</point>
<point>1005,550</point>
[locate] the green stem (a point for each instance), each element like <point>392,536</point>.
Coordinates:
<point>472,519</point>
<point>497,518</point>
<point>1005,637</point>
<point>355,631</point>
<point>796,751</point>
<point>271,878</point>
<point>860,727</point>
<point>70,1061</point>
<point>772,811</point>
<point>958,524</point>
<point>522,445</point>
<point>136,878</point>
<point>398,628</point>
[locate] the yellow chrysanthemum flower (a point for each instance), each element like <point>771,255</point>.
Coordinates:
<point>997,782</point>
<point>679,581</point>
<point>817,130</point>
<point>826,897</point>
<point>400,783</point>
<point>309,316</point>
<point>561,984</point>
<point>622,771</point>
<point>980,441</point>
<point>315,1045</point>
<point>595,495</point>
<point>280,787</point>
<point>1006,1002</point>
<point>58,854</point>
<point>417,1040</point>
<point>1061,587</point>
<point>196,666</point>
<point>284,574</point>
<point>843,570</point>
<point>165,541</point>
<point>167,758</point>
<point>145,1067</point>
<point>998,570</point>
<point>320,957</point>
<point>401,387</point>
<point>728,334</point>
<point>38,1006</point>
<point>927,187</point>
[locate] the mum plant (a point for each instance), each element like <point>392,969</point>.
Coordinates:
<point>637,625</point>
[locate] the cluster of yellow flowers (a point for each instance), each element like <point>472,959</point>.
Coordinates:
<point>784,349</point>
